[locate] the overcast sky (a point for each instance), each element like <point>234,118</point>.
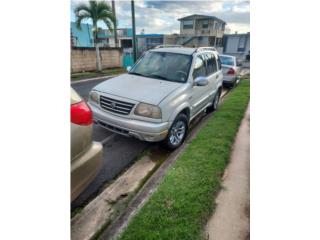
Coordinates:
<point>161,16</point>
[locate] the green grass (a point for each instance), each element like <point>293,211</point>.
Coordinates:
<point>105,72</point>
<point>184,200</point>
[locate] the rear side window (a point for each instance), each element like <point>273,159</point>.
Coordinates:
<point>211,63</point>
<point>199,67</point>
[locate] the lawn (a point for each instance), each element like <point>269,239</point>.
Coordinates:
<point>184,200</point>
<point>105,72</point>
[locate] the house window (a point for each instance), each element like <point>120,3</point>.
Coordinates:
<point>205,24</point>
<point>188,24</point>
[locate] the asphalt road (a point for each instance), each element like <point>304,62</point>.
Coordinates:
<point>119,152</point>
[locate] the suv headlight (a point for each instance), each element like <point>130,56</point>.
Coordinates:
<point>94,97</point>
<point>148,110</point>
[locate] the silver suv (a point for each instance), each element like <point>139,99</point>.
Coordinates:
<point>159,96</point>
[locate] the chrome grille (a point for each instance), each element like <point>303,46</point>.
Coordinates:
<point>115,106</point>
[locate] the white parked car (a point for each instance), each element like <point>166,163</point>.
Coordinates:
<point>231,70</point>
<point>160,95</point>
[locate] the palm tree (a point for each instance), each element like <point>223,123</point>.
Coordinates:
<point>96,11</point>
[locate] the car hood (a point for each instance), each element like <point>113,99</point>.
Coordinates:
<point>138,88</point>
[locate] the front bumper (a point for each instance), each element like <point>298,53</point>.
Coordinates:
<point>85,168</point>
<point>145,131</point>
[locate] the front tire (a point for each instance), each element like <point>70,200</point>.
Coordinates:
<point>177,132</point>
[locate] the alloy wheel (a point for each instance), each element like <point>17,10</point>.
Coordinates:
<point>177,133</point>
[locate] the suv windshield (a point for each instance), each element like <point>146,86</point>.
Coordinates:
<point>227,60</point>
<point>164,65</point>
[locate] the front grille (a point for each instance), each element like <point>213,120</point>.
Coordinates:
<point>115,106</point>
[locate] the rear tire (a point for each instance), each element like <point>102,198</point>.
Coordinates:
<point>177,133</point>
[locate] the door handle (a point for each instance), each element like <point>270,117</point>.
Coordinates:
<point>217,76</point>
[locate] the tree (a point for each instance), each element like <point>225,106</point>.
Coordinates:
<point>96,11</point>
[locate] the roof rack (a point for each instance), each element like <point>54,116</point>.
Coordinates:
<point>167,46</point>
<point>205,49</point>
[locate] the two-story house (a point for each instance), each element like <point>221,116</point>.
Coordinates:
<point>199,31</point>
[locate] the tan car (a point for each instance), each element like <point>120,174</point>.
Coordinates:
<point>86,155</point>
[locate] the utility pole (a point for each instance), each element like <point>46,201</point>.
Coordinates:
<point>133,33</point>
<point>115,25</point>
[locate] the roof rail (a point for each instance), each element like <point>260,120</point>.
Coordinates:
<point>167,46</point>
<point>205,48</point>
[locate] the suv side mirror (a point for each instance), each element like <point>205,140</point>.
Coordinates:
<point>129,68</point>
<point>201,81</point>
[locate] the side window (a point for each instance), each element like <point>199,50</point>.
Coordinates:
<point>199,68</point>
<point>211,64</point>
<point>215,67</point>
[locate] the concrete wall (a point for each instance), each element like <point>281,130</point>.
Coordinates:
<point>84,59</point>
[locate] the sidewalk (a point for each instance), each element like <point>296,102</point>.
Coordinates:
<point>230,220</point>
